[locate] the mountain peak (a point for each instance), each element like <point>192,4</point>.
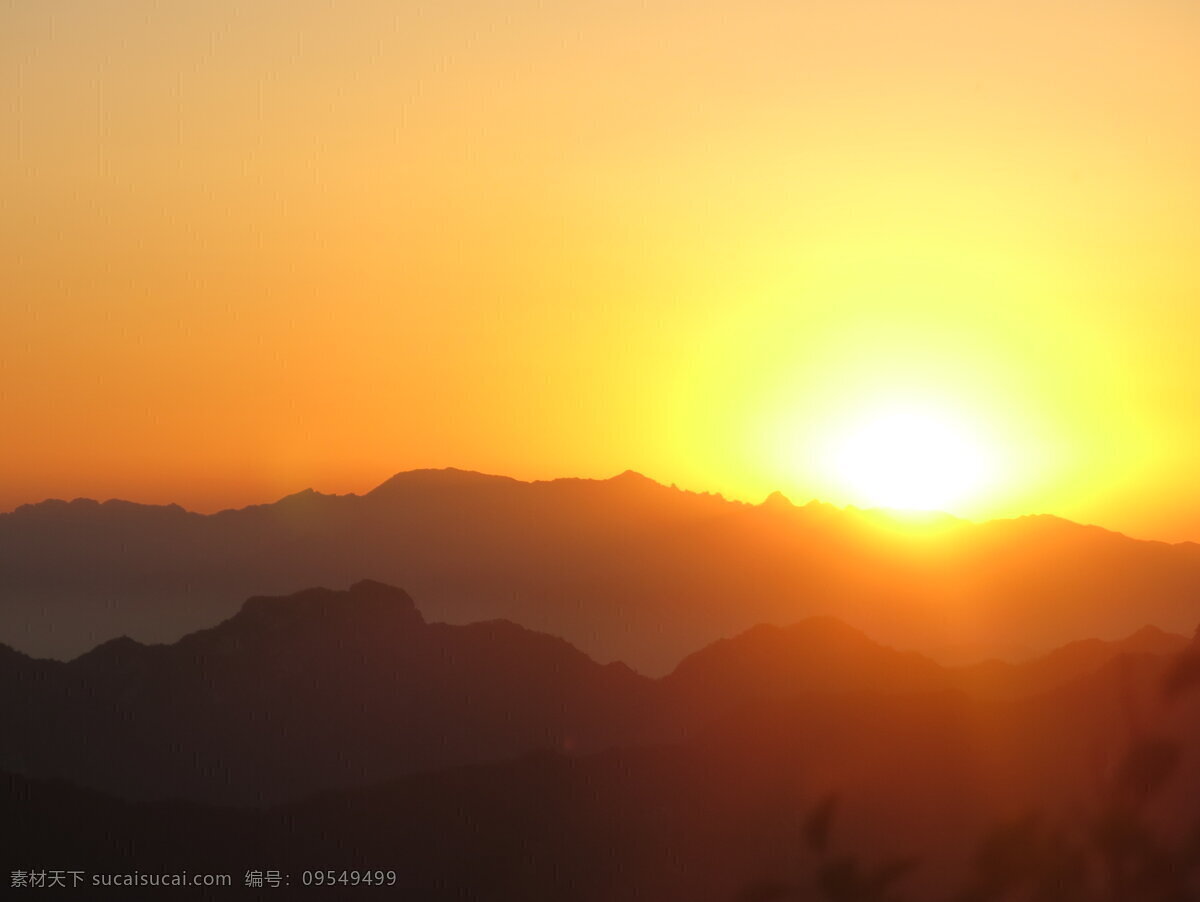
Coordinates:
<point>374,590</point>
<point>444,477</point>
<point>302,495</point>
<point>89,509</point>
<point>1153,640</point>
<point>777,501</point>
<point>817,652</point>
<point>1147,633</point>
<point>368,603</point>
<point>630,476</point>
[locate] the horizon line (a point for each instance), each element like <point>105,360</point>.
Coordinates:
<point>895,514</point>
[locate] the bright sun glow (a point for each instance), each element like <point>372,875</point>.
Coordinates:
<point>909,459</point>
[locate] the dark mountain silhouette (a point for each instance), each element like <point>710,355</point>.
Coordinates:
<point>924,772</point>
<point>818,655</point>
<point>1064,664</point>
<point>964,654</point>
<point>314,690</point>
<point>326,689</point>
<point>625,568</point>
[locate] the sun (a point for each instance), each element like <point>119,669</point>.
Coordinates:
<point>909,458</point>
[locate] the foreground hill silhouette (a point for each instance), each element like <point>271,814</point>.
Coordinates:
<point>624,568</point>
<point>318,689</point>
<point>325,689</point>
<point>924,771</point>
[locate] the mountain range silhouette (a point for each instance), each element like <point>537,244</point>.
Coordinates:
<point>600,689</point>
<point>624,568</point>
<point>326,689</point>
<point>339,729</point>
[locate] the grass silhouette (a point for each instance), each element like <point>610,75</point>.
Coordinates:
<point>1114,852</point>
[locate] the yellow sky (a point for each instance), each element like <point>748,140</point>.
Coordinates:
<point>250,247</point>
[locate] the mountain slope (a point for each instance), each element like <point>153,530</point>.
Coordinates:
<point>324,689</point>
<point>921,774</point>
<point>624,568</point>
<point>315,690</point>
<point>1064,664</point>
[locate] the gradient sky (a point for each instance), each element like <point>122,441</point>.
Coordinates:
<point>250,247</point>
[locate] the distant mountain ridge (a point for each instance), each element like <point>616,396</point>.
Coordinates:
<point>339,727</point>
<point>624,568</point>
<point>329,689</point>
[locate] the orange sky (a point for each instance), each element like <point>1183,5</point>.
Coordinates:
<point>250,247</point>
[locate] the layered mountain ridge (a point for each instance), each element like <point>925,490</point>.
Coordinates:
<point>335,688</point>
<point>488,760</point>
<point>625,569</point>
